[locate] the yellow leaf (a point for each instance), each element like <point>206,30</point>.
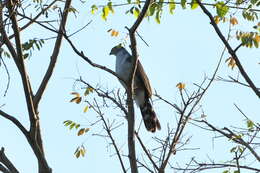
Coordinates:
<point>75,93</point>
<point>76,100</point>
<point>217,19</point>
<point>113,32</point>
<point>73,100</point>
<point>91,89</point>
<point>257,38</point>
<point>233,21</point>
<point>85,109</point>
<point>181,86</point>
<point>231,62</point>
<point>136,12</point>
<point>105,12</point>
<point>77,154</point>
<point>87,129</point>
<point>81,131</point>
<point>82,151</point>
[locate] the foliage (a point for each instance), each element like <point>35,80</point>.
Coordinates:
<point>30,45</point>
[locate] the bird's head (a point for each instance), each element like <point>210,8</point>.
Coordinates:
<point>115,49</point>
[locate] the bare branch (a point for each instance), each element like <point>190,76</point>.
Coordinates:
<point>32,20</point>
<point>104,94</point>
<point>54,55</point>
<point>108,130</point>
<point>146,151</point>
<point>20,60</point>
<point>205,166</point>
<point>88,60</point>
<point>3,169</point>
<point>15,122</point>
<point>7,162</point>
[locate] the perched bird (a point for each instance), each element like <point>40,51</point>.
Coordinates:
<point>142,88</point>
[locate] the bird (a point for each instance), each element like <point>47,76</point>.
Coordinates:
<point>142,88</point>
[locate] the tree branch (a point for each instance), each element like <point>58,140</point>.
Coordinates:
<point>130,104</point>
<point>234,138</point>
<point>7,162</point>
<point>230,50</point>
<point>54,55</point>
<point>23,74</point>
<point>189,3</point>
<point>3,169</point>
<point>88,60</point>
<point>146,151</point>
<point>108,130</point>
<point>15,122</point>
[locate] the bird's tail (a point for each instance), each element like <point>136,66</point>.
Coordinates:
<point>151,122</point>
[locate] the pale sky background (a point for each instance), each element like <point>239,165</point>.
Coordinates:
<point>183,48</point>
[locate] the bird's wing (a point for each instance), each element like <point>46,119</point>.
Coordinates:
<point>141,75</point>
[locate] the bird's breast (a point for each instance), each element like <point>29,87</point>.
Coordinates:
<point>123,68</point>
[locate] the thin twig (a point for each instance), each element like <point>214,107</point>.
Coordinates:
<point>108,130</point>
<point>146,151</point>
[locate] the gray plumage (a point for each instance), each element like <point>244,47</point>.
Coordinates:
<point>142,87</point>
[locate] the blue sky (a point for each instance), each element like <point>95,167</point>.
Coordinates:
<point>183,48</point>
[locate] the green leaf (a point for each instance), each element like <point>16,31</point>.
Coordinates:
<point>136,12</point>
<point>194,4</point>
<point>222,9</point>
<point>233,149</point>
<point>67,122</point>
<point>250,124</point>
<point>158,16</point>
<point>77,126</point>
<point>240,149</point>
<point>172,6</point>
<point>85,109</point>
<point>238,2</point>
<point>152,9</point>
<point>72,125</point>
<point>253,1</point>
<point>73,10</point>
<point>109,4</point>
<point>183,3</point>
<point>129,1</point>
<point>77,154</point>
<point>94,8</point>
<point>25,55</point>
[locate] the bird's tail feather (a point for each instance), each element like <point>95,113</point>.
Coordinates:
<point>151,122</point>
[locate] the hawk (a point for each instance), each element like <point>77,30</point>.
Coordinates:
<point>142,87</point>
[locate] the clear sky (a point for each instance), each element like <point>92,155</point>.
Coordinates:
<point>183,48</point>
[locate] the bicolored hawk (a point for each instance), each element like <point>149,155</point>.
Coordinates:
<point>142,87</point>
